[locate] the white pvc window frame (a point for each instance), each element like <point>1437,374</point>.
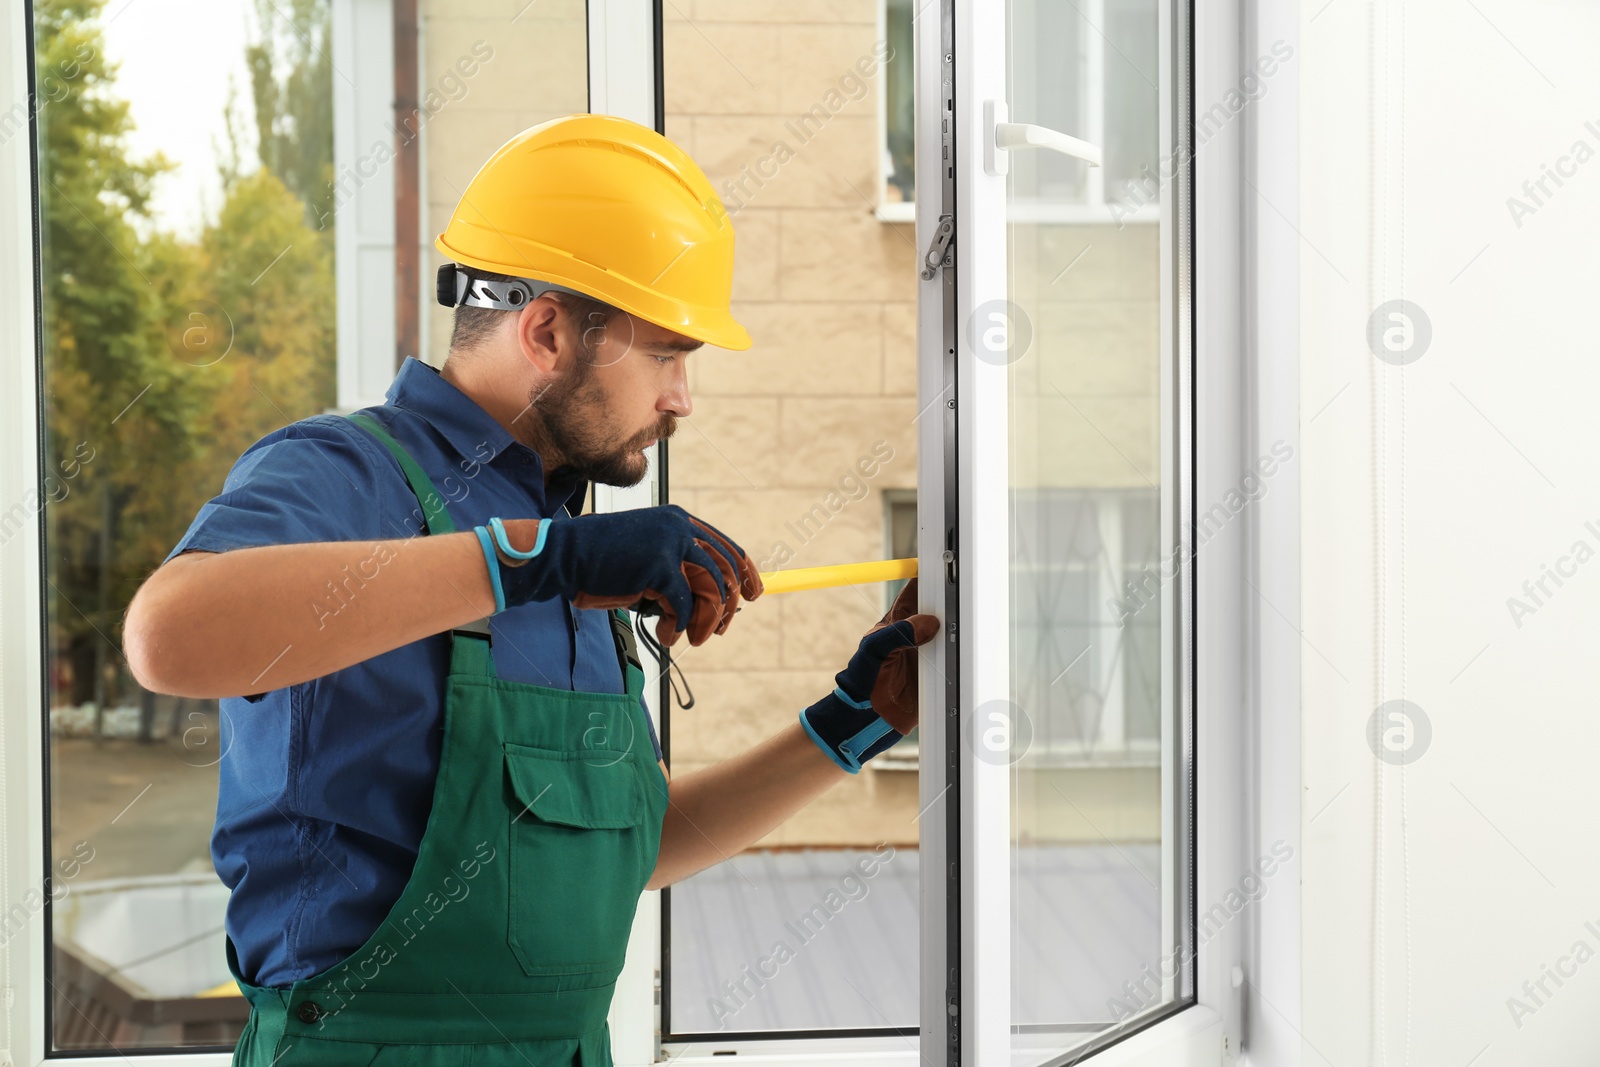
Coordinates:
<point>22,742</point>
<point>622,82</point>
<point>1270,244</point>
<point>364,208</point>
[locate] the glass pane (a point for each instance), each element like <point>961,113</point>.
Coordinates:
<point>1086,440</point>
<point>900,535</point>
<point>190,202</point>
<point>1131,119</point>
<point>1049,86</point>
<point>790,450</point>
<point>188,253</point>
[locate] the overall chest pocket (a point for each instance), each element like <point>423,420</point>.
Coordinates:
<point>577,857</point>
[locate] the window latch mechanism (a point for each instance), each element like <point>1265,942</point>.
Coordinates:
<point>940,248</point>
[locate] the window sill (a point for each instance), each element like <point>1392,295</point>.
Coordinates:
<point>1073,214</point>
<point>897,211</point>
<point>832,1051</point>
<point>904,757</point>
<point>1188,1035</point>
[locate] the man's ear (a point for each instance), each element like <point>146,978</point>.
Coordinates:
<point>542,336</point>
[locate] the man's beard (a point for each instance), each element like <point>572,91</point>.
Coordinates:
<point>564,419</point>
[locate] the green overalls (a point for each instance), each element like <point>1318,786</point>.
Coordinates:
<point>506,943</point>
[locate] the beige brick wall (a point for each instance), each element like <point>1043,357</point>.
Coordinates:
<point>539,71</point>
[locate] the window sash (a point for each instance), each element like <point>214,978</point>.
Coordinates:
<point>977,899</point>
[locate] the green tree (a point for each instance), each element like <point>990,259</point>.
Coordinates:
<point>163,420</point>
<point>101,325</point>
<point>274,274</point>
<point>291,84</point>
<point>269,256</point>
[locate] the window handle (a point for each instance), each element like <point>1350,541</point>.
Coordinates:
<point>1026,135</point>
<point>1004,136</point>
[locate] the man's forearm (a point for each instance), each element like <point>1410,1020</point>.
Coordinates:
<point>720,810</point>
<point>255,619</point>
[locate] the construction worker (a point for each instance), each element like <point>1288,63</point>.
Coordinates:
<point>437,808</point>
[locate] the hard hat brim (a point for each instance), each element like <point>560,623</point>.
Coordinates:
<point>711,325</point>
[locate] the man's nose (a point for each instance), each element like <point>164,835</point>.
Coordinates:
<point>676,399</point>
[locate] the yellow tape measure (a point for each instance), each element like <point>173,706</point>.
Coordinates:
<point>888,570</point>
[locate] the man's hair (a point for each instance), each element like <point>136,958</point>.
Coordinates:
<point>474,325</point>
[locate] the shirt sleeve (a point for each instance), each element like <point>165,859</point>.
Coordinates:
<point>314,480</point>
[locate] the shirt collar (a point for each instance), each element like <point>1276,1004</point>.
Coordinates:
<point>473,432</point>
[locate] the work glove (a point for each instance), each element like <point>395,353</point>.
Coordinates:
<point>874,703</point>
<point>662,555</point>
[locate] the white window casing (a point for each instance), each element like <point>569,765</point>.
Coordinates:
<point>22,742</point>
<point>1271,956</point>
<point>364,139</point>
<point>622,81</point>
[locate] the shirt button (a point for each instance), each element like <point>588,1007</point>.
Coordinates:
<point>310,1011</point>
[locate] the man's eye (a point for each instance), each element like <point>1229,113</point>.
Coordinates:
<point>665,359</point>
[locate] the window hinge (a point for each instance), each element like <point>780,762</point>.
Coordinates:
<point>1242,1014</point>
<point>939,250</point>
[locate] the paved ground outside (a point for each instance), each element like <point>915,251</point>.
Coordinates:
<point>143,807</point>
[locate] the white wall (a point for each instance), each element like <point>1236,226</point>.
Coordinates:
<point>1430,492</point>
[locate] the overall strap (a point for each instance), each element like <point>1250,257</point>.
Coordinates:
<point>433,509</point>
<point>473,654</point>
<point>622,634</point>
<point>627,652</point>
<point>439,522</point>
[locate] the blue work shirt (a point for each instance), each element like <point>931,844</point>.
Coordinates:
<point>325,787</point>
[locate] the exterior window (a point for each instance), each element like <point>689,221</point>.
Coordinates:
<point>900,534</point>
<point>899,184</point>
<point>1086,665</point>
<point>188,277</point>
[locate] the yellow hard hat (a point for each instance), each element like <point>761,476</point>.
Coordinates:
<point>608,208</point>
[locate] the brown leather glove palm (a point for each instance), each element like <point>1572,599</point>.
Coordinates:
<point>894,694</point>
<point>874,703</point>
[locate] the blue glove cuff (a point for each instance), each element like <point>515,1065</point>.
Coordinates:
<point>493,563</point>
<point>495,534</point>
<point>848,730</point>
